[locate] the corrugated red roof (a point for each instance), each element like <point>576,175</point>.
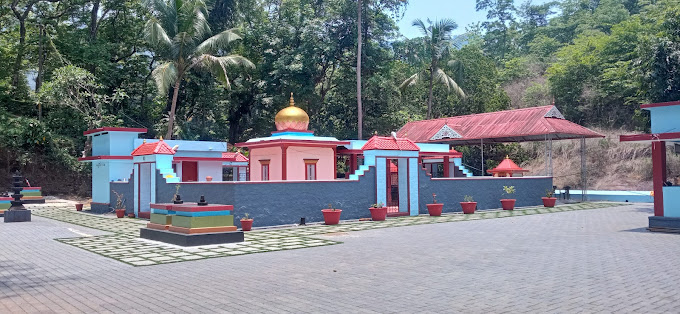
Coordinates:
<point>155,148</point>
<point>390,143</point>
<point>507,165</point>
<point>528,124</point>
<point>237,156</point>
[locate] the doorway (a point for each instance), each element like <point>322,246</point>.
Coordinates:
<point>189,171</point>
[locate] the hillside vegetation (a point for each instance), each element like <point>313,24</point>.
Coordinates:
<point>611,165</point>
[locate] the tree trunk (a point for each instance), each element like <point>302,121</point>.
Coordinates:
<point>429,99</point>
<point>360,113</point>
<point>171,116</point>
<point>93,21</point>
<point>41,58</point>
<point>20,54</point>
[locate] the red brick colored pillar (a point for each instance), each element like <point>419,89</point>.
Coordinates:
<point>659,173</point>
<point>446,166</point>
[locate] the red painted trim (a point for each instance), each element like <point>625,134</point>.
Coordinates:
<point>6,198</point>
<point>649,137</point>
<point>139,190</point>
<point>88,158</point>
<point>114,129</point>
<point>202,159</point>
<point>439,154</point>
<point>269,143</point>
<point>350,152</point>
<point>284,162</point>
<point>335,164</point>
<point>262,171</point>
<point>31,188</point>
<point>661,104</point>
<point>307,172</point>
<point>274,181</point>
<point>408,185</point>
<point>446,166</point>
<point>659,175</point>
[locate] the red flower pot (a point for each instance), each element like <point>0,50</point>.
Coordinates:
<point>468,207</point>
<point>131,215</point>
<point>508,204</point>
<point>208,178</point>
<point>331,217</point>
<point>378,213</point>
<point>79,207</point>
<point>435,209</point>
<point>120,213</point>
<point>246,224</point>
<point>549,201</point>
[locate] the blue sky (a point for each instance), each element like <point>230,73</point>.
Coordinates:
<point>461,11</point>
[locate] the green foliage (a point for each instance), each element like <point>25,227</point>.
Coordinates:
<point>468,199</point>
<point>509,189</point>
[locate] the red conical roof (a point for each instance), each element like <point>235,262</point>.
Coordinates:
<point>155,148</point>
<point>507,165</point>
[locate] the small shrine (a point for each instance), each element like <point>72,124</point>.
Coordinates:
<point>507,168</point>
<point>292,152</point>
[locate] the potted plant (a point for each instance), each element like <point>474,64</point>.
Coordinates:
<point>468,204</point>
<point>378,212</point>
<point>79,206</point>
<point>331,216</point>
<point>508,203</point>
<point>549,200</point>
<point>120,205</point>
<point>434,209</point>
<point>246,222</point>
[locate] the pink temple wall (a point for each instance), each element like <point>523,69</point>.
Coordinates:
<point>296,155</point>
<point>271,153</point>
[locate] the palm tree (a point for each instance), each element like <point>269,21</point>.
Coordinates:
<point>179,33</point>
<point>360,112</point>
<point>437,40</point>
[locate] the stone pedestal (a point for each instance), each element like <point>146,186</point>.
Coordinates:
<point>192,224</point>
<point>17,212</point>
<point>17,215</point>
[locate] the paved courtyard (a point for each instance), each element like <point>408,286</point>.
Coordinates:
<point>574,259</point>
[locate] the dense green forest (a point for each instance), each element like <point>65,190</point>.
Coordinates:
<point>220,70</point>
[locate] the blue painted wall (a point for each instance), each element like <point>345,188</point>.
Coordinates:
<point>278,203</point>
<point>671,201</point>
<point>665,119</point>
<point>487,191</point>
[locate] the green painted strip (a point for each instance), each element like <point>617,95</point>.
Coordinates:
<point>203,222</point>
<point>161,219</point>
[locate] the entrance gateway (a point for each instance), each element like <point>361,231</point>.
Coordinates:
<point>396,164</point>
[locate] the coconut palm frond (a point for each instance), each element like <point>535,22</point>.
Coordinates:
<point>219,41</point>
<point>165,75</point>
<point>421,27</point>
<point>155,34</point>
<point>441,77</point>
<point>411,80</point>
<point>218,66</point>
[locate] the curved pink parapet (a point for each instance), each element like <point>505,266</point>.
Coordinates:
<point>292,125</point>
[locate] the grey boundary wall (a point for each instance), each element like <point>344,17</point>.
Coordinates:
<point>278,203</point>
<point>127,190</point>
<point>486,191</point>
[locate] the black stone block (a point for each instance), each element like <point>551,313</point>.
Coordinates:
<point>664,222</point>
<point>34,201</point>
<point>17,215</point>
<point>191,239</point>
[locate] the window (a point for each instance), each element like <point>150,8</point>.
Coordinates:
<point>310,169</point>
<point>265,169</point>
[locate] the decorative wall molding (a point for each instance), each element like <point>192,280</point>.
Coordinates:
<point>445,132</point>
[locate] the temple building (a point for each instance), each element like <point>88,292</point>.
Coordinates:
<point>292,152</point>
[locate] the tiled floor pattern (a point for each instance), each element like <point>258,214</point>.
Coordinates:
<point>125,245</point>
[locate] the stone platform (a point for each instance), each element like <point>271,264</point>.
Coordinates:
<point>195,239</point>
<point>17,215</point>
<point>664,224</point>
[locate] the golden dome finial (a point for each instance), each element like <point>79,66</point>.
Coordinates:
<point>161,137</point>
<point>507,156</point>
<point>291,117</point>
<point>144,141</point>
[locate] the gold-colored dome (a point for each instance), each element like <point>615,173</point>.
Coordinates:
<point>291,117</point>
